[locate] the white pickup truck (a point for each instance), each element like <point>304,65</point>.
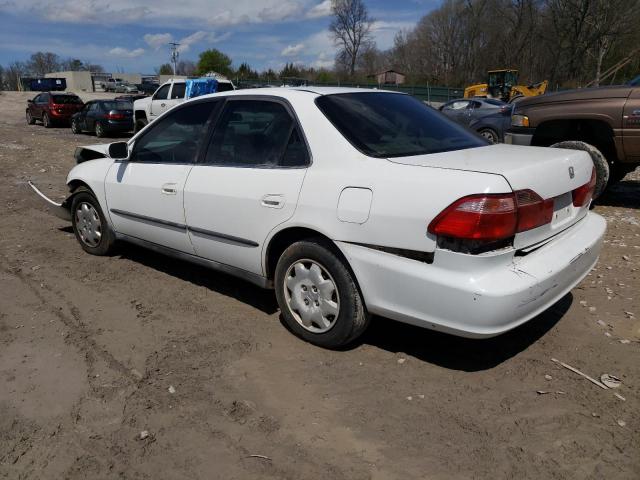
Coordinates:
<point>166,96</point>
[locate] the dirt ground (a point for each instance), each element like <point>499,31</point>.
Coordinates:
<point>94,351</point>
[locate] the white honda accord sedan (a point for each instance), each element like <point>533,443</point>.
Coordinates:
<point>347,202</point>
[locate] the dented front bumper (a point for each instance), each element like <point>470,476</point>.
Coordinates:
<point>60,210</point>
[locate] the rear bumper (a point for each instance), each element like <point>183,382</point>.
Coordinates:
<point>114,126</point>
<point>476,295</point>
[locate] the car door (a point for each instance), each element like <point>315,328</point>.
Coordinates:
<point>145,193</point>
<point>41,105</point>
<point>248,181</point>
<point>159,101</point>
<point>90,116</point>
<point>631,126</point>
<point>81,119</point>
<point>34,108</point>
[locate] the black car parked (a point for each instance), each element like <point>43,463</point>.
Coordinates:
<point>103,116</point>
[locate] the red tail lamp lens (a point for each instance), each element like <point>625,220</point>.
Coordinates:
<point>478,217</point>
<point>533,211</point>
<point>583,194</point>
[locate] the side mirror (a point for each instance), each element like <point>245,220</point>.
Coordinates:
<point>119,150</point>
<point>30,100</point>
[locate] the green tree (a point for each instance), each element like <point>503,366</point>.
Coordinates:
<point>165,69</point>
<point>214,60</point>
<point>246,72</point>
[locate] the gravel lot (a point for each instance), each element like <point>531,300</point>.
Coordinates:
<point>94,351</point>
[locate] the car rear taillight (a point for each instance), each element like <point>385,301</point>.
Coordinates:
<point>583,194</point>
<point>116,116</point>
<point>533,211</point>
<point>478,217</point>
<point>492,217</point>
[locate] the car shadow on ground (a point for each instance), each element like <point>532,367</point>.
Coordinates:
<point>441,349</point>
<point>457,353</point>
<point>624,194</point>
<point>241,290</point>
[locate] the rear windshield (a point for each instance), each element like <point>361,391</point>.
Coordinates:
<point>394,125</point>
<point>65,99</point>
<point>117,105</point>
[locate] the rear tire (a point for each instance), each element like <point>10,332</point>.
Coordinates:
<point>318,295</point>
<point>599,162</point>
<point>90,225</point>
<point>139,125</point>
<point>46,121</point>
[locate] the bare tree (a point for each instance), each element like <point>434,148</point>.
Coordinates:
<point>43,62</point>
<point>351,28</point>
<point>12,75</point>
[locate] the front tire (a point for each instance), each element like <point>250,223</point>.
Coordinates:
<point>489,134</point>
<point>318,295</point>
<point>599,162</point>
<point>90,225</point>
<point>99,130</point>
<point>30,119</point>
<point>74,127</point>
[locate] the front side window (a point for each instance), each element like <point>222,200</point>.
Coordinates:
<point>178,90</point>
<point>174,138</point>
<point>394,125</point>
<point>256,133</point>
<point>163,93</point>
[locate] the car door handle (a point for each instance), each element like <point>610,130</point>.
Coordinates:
<point>272,201</point>
<point>169,189</point>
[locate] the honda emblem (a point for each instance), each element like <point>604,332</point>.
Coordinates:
<point>572,173</point>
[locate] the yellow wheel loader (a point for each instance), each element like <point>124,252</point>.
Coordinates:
<point>503,84</point>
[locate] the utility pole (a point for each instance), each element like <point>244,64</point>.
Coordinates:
<point>175,54</point>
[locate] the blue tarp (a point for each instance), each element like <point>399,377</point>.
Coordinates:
<point>201,86</point>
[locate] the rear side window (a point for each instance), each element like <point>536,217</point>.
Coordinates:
<point>394,125</point>
<point>178,90</point>
<point>224,87</point>
<point>256,133</point>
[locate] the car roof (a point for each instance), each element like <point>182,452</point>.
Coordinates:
<point>294,92</point>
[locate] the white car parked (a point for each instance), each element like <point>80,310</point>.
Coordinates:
<point>348,202</point>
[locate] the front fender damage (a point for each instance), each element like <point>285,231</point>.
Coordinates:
<point>60,210</point>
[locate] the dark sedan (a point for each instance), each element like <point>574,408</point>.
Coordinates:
<point>493,126</point>
<point>104,116</point>
<point>465,110</point>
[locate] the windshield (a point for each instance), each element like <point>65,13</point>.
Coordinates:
<point>394,125</point>
<point>65,99</point>
<point>635,82</point>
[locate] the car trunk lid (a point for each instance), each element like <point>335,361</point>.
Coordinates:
<point>551,173</point>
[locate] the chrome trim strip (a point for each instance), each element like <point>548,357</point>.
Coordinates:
<point>60,210</point>
<point>254,278</point>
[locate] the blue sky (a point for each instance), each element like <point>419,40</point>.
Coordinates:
<point>132,35</point>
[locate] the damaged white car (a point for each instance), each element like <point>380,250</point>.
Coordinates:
<point>348,202</point>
